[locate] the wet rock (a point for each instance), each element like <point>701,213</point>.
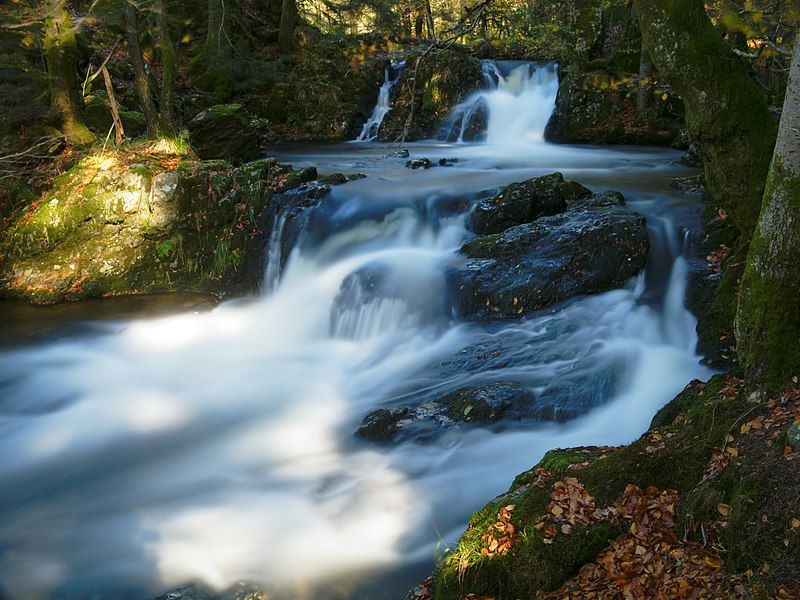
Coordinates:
<point>476,405</point>
<point>594,246</point>
<point>447,162</point>
<point>419,163</point>
<point>402,153</point>
<point>240,591</point>
<point>589,383</point>
<point>489,403</point>
<point>442,79</point>
<point>382,425</point>
<point>468,123</point>
<point>228,132</point>
<point>289,213</point>
<point>524,202</point>
<point>334,179</point>
<point>188,592</point>
<point>688,185</point>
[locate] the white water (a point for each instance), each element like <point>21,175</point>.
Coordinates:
<point>369,132</point>
<point>519,99</point>
<point>218,447</point>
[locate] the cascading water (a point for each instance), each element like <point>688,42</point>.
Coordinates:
<point>515,106</point>
<point>218,447</point>
<point>391,75</point>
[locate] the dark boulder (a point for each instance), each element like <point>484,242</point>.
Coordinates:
<point>591,108</point>
<point>594,246</point>
<point>489,403</point>
<point>525,202</point>
<point>228,132</point>
<point>382,425</point>
<point>479,405</point>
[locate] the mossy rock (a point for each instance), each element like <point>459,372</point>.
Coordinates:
<point>227,132</point>
<point>598,107</point>
<point>111,227</point>
<point>443,79</point>
<point>759,486</point>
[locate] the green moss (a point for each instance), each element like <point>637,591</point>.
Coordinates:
<point>768,316</point>
<point>672,455</point>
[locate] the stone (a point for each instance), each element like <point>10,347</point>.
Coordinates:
<point>419,163</point>
<point>524,202</point>
<point>489,403</point>
<point>228,132</point>
<point>594,246</point>
<point>106,231</point>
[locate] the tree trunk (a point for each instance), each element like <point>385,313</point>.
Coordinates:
<point>60,52</point>
<point>169,65</point>
<point>429,19</point>
<point>768,317</point>
<point>139,73</point>
<point>286,30</point>
<point>119,131</point>
<point>726,113</point>
<point>643,95</point>
<point>217,38</point>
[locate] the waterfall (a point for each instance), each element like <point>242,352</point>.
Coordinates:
<point>369,132</point>
<point>217,447</point>
<point>515,106</point>
<point>273,271</point>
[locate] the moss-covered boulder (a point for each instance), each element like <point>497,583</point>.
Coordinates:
<point>599,107</point>
<point>704,501</point>
<point>430,90</point>
<point>97,115</point>
<point>111,226</point>
<point>227,132</point>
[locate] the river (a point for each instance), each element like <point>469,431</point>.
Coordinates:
<point>217,445</point>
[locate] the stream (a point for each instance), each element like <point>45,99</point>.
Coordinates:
<point>217,446</point>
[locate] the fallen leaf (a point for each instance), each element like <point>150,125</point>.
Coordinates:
<point>723,509</point>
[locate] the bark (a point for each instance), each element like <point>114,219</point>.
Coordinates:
<point>768,316</point>
<point>643,96</point>
<point>286,29</point>
<point>169,65</point>
<point>60,52</point>
<point>217,44</point>
<point>140,75</point>
<point>119,131</point>
<point>429,19</point>
<point>726,113</point>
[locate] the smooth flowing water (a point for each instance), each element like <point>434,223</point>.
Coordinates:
<point>218,447</point>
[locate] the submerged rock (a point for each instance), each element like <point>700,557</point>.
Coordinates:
<point>477,405</point>
<point>419,163</point>
<point>240,591</point>
<point>525,202</point>
<point>594,246</point>
<point>489,403</point>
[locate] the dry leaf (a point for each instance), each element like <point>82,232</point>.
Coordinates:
<point>723,509</point>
